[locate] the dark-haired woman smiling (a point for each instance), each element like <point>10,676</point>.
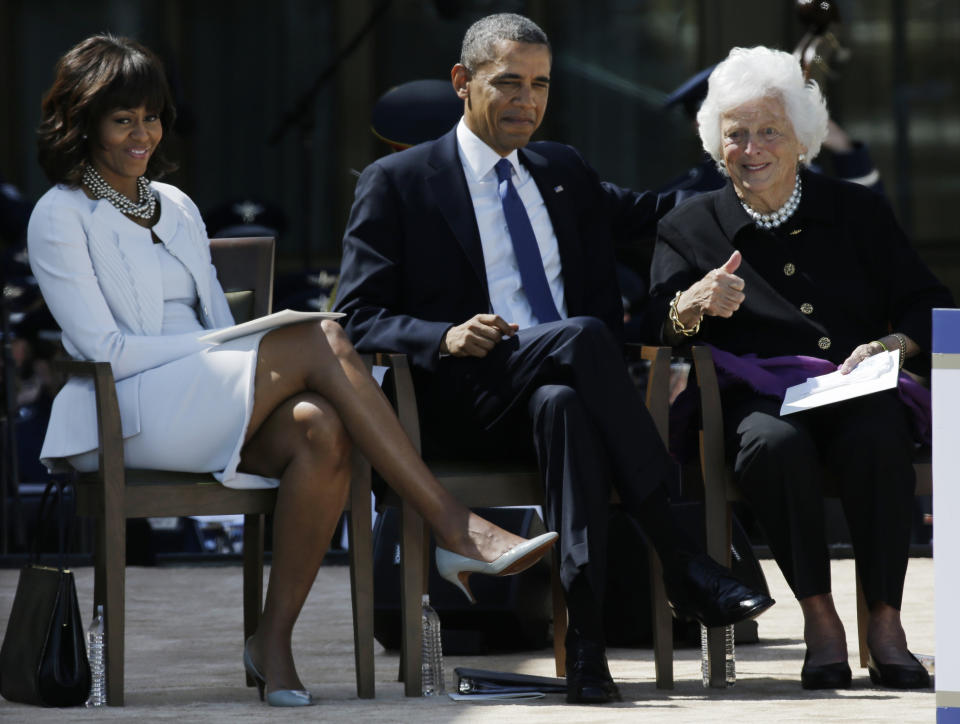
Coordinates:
<point>124,265</point>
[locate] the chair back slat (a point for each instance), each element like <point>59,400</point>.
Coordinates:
<point>245,271</point>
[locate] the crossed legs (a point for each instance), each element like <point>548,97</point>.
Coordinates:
<point>313,399</point>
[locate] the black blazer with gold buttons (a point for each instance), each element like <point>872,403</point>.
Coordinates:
<point>839,273</point>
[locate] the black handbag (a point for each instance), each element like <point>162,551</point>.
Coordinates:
<point>43,660</point>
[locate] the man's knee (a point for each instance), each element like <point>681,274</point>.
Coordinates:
<point>552,400</point>
<point>591,329</point>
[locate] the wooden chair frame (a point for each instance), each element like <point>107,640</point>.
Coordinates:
<point>114,493</point>
<point>493,484</point>
<point>720,491</point>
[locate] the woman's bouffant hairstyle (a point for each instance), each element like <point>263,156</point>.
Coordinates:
<point>96,76</point>
<point>748,74</point>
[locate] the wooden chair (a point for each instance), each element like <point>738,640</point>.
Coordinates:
<point>719,492</point>
<point>112,494</point>
<point>494,484</point>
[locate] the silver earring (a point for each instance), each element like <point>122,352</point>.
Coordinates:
<point>801,157</point>
<point>84,136</point>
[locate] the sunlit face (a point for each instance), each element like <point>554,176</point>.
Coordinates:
<point>127,139</point>
<point>760,150</point>
<point>506,97</point>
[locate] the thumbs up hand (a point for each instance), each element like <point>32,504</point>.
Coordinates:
<point>718,294</point>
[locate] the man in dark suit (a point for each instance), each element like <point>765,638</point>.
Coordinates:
<point>490,263</point>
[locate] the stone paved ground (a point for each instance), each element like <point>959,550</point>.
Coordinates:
<point>184,647</point>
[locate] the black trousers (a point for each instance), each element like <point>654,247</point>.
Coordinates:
<point>861,448</point>
<point>563,389</point>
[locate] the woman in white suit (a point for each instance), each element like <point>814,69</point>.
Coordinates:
<point>124,266</point>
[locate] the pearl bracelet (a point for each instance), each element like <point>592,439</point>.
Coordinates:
<point>903,347</point>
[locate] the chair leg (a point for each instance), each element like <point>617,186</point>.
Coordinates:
<point>559,617</point>
<point>661,624</point>
<point>253,535</point>
<point>412,588</point>
<point>863,620</point>
<point>110,582</point>
<point>361,575</point>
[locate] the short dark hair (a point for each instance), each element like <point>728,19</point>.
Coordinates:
<point>96,76</point>
<point>480,37</point>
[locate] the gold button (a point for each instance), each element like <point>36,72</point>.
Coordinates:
<point>806,308</point>
<point>823,343</point>
<point>789,269</point>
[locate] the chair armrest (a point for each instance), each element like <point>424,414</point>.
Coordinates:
<point>109,428</point>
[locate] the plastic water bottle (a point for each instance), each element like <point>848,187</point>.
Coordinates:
<point>730,659</point>
<point>98,672</point>
<point>431,675</point>
<point>730,656</point>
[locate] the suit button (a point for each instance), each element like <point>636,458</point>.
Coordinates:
<point>806,308</point>
<point>789,269</point>
<point>824,343</point>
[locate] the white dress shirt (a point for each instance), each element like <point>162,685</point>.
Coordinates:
<point>507,296</point>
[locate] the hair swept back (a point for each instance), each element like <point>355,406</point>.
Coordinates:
<point>96,76</point>
<point>748,74</point>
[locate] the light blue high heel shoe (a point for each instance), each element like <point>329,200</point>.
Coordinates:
<point>457,569</point>
<point>281,697</point>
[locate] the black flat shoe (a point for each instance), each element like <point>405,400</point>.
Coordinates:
<point>825,676</point>
<point>708,593</point>
<point>588,676</point>
<point>898,676</point>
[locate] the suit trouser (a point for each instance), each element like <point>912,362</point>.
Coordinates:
<point>780,466</point>
<point>565,386</point>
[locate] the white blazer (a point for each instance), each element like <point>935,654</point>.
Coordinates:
<point>103,286</point>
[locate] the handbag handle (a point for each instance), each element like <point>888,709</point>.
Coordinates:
<point>64,529</point>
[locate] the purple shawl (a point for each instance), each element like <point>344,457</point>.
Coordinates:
<point>773,375</point>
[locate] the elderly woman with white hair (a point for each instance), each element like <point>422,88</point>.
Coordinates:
<point>786,263</point>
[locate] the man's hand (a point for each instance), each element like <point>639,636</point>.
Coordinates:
<point>477,336</point>
<point>718,294</point>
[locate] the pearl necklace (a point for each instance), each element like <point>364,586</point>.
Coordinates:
<point>145,206</point>
<point>772,221</point>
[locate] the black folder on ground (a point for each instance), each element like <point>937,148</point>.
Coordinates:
<point>482,681</point>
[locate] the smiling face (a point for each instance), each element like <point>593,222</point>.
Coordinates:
<point>760,151</point>
<point>505,98</point>
<point>127,139</point>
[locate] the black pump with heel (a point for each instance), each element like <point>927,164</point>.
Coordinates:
<point>898,676</point>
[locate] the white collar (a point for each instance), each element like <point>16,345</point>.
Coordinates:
<point>477,157</point>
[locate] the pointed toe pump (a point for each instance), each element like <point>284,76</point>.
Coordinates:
<point>457,569</point>
<point>280,697</point>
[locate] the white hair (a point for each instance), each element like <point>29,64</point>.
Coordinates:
<point>748,74</point>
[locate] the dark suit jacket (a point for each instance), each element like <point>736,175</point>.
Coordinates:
<point>837,274</point>
<point>412,259</point>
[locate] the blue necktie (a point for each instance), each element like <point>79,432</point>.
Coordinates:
<point>532,276</point>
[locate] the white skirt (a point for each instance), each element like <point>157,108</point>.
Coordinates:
<point>194,414</point>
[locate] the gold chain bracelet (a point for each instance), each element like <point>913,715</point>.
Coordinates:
<point>675,319</point>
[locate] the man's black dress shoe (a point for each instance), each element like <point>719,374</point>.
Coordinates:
<point>898,676</point>
<point>588,677</point>
<point>709,593</point>
<point>825,676</point>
